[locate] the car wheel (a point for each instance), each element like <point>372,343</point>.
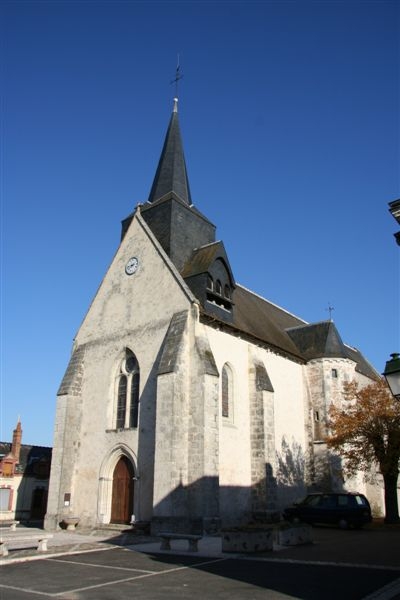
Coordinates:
<point>289,519</point>
<point>293,519</point>
<point>343,524</point>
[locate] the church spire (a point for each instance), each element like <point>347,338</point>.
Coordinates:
<point>171,174</point>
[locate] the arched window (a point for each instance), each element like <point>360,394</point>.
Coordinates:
<point>227,292</point>
<point>227,392</point>
<point>127,414</point>
<point>134,408</point>
<point>121,405</point>
<point>210,282</point>
<point>218,287</point>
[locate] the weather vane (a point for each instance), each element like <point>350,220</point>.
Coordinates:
<point>330,309</point>
<point>178,77</point>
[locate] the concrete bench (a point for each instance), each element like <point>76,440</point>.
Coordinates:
<point>9,523</point>
<point>167,537</point>
<point>24,539</point>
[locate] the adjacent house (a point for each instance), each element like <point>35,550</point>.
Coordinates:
<point>24,479</point>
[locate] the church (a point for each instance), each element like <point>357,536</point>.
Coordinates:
<point>190,401</point>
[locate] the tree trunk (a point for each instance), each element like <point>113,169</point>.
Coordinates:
<point>391,503</point>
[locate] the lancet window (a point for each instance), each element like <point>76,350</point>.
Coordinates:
<point>128,380</point>
<point>227,392</point>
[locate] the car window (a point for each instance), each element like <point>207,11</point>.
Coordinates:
<point>360,500</point>
<point>343,500</point>
<point>312,500</point>
<point>328,501</point>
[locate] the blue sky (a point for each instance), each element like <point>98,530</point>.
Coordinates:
<point>289,113</point>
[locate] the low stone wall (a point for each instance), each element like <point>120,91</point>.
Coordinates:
<point>263,540</point>
<point>257,540</point>
<point>294,536</point>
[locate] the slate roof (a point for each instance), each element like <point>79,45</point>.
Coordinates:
<point>322,340</point>
<point>263,320</point>
<point>202,259</point>
<point>168,196</point>
<point>318,340</point>
<point>171,174</point>
<point>363,366</point>
<point>272,325</point>
<point>29,457</point>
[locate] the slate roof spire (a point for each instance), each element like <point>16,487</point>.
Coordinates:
<point>171,174</point>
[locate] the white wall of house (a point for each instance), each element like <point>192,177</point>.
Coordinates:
<point>16,496</point>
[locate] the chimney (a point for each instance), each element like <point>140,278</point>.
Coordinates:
<point>16,442</point>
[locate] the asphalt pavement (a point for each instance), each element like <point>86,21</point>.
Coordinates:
<point>104,565</point>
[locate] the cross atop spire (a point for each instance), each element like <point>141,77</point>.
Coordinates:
<point>178,77</point>
<point>330,309</point>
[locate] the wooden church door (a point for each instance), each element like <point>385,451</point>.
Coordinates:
<point>122,492</point>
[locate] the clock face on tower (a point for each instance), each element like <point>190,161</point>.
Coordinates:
<point>131,266</point>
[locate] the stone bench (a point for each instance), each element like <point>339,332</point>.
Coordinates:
<point>167,537</point>
<point>24,539</point>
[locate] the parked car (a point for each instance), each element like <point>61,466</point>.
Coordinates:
<point>343,509</point>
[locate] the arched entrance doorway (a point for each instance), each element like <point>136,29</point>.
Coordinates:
<point>122,491</point>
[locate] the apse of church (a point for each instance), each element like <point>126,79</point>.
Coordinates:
<point>190,402</point>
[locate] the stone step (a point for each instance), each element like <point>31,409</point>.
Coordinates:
<point>121,528</point>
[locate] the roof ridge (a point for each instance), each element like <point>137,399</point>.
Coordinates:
<point>324,321</point>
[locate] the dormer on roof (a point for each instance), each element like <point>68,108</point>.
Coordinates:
<point>209,276</point>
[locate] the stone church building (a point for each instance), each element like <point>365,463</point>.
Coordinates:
<point>189,398</point>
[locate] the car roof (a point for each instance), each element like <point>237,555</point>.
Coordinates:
<point>335,494</point>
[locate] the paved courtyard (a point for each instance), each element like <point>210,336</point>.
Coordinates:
<point>339,565</point>
<point>120,573</point>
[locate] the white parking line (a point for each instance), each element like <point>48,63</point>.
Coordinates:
<point>320,563</point>
<point>26,590</point>
<point>108,583</point>
<point>86,564</point>
<point>38,555</point>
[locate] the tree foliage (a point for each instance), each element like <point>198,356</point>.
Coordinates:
<point>366,430</point>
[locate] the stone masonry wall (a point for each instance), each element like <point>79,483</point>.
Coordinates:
<point>257,442</point>
<point>203,430</point>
